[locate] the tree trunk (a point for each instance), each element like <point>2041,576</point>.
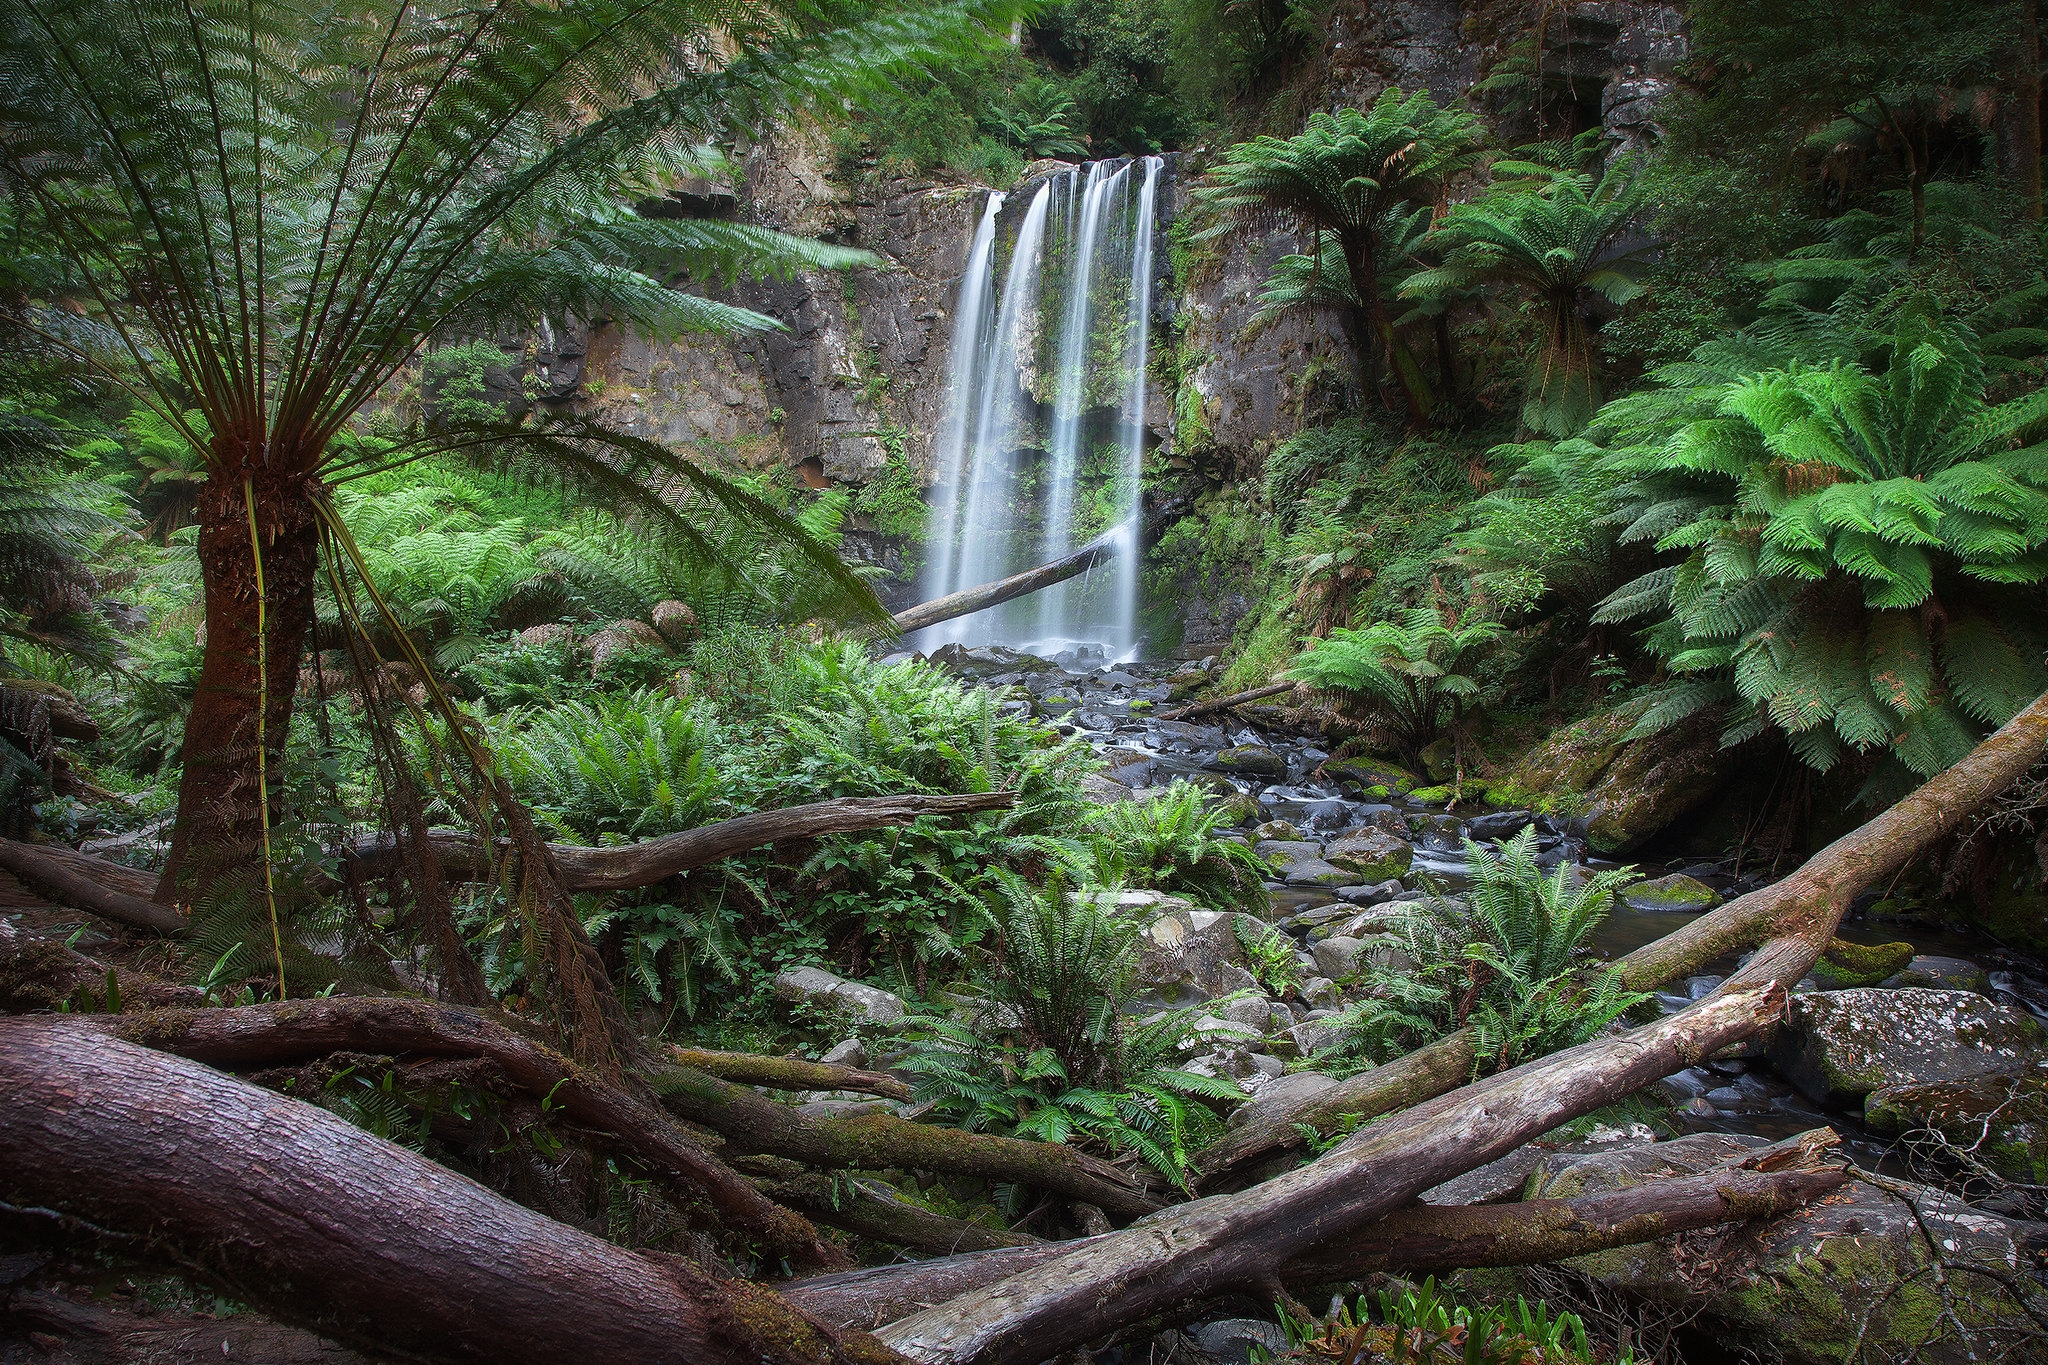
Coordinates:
<point>1203,708</point>
<point>284,1033</point>
<point>220,812</point>
<point>320,1224</point>
<point>2019,115</point>
<point>1242,1242</point>
<point>1361,259</point>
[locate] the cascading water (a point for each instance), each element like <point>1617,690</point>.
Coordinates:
<point>1044,431</point>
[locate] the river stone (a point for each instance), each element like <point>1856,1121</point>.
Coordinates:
<point>1373,855</point>
<point>1230,1341</point>
<point>1838,1046</point>
<point>1495,825</point>
<point>1337,958</point>
<point>1806,1283</point>
<point>1675,892</point>
<point>1250,760</point>
<point>1300,862</point>
<point>820,989</point>
<point>2002,1120</point>
<point>1377,894</point>
<point>1942,974</point>
<point>1102,791</point>
<point>1251,1011</point>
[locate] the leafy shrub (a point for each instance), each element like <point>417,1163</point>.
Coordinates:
<point>1511,966</point>
<point>1052,1056</point>
<point>1169,843</point>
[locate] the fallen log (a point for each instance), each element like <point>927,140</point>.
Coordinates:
<point>1105,546</point>
<point>1243,1241</point>
<point>1422,1240</point>
<point>1203,708</point>
<point>284,1032</point>
<point>789,1073</point>
<point>73,881</point>
<point>753,1124</point>
<point>324,1226</point>
<point>631,866</point>
<point>1789,922</point>
<point>871,1209</point>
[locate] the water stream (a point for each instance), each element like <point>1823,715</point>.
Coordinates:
<point>1043,438</point>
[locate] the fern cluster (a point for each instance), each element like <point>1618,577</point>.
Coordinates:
<point>1411,677</point>
<point>1169,843</point>
<point>1510,963</point>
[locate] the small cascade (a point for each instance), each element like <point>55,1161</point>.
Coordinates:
<point>1043,439</point>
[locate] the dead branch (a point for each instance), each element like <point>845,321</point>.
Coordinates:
<point>324,1226</point>
<point>1203,708</point>
<point>64,880</point>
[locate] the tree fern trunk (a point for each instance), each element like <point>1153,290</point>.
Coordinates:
<point>220,818</point>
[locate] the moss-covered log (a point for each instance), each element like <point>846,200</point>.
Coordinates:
<point>874,1210</point>
<point>320,1224</point>
<point>283,1033</point>
<point>1790,923</point>
<point>789,1073</point>
<point>751,1123</point>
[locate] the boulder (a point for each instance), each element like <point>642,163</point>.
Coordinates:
<point>1853,1262</point>
<point>1626,790</point>
<point>2001,1121</point>
<point>851,1052</point>
<point>1251,760</point>
<point>987,661</point>
<point>1239,1341</point>
<point>1102,791</point>
<point>1440,759</point>
<point>1279,830</point>
<point>1499,824</point>
<point>1300,863</point>
<point>1338,958</point>
<point>820,989</point>
<point>1373,855</point>
<point>1844,965</point>
<point>1838,1046</point>
<point>1675,892</point>
<point>1185,954</point>
<point>1377,894</point>
<point>1942,974</point>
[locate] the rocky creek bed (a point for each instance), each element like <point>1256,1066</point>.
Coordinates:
<point>1946,1047</point>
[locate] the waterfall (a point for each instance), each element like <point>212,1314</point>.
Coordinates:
<point>1043,438</point>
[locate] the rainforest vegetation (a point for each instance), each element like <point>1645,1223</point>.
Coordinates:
<point>488,871</point>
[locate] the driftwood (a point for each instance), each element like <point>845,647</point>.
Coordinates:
<point>1203,708</point>
<point>1243,1241</point>
<point>1414,1241</point>
<point>789,1073</point>
<point>322,1225</point>
<point>284,1032</point>
<point>636,865</point>
<point>1793,921</point>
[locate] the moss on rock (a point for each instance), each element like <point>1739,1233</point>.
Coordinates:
<point>1846,964</point>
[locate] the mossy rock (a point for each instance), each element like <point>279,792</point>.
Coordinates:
<point>1140,707</point>
<point>1676,893</point>
<point>1373,855</point>
<point>1839,1046</point>
<point>1251,760</point>
<point>1374,776</point>
<point>2003,1118</point>
<point>1846,964</point>
<point>1440,759</point>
